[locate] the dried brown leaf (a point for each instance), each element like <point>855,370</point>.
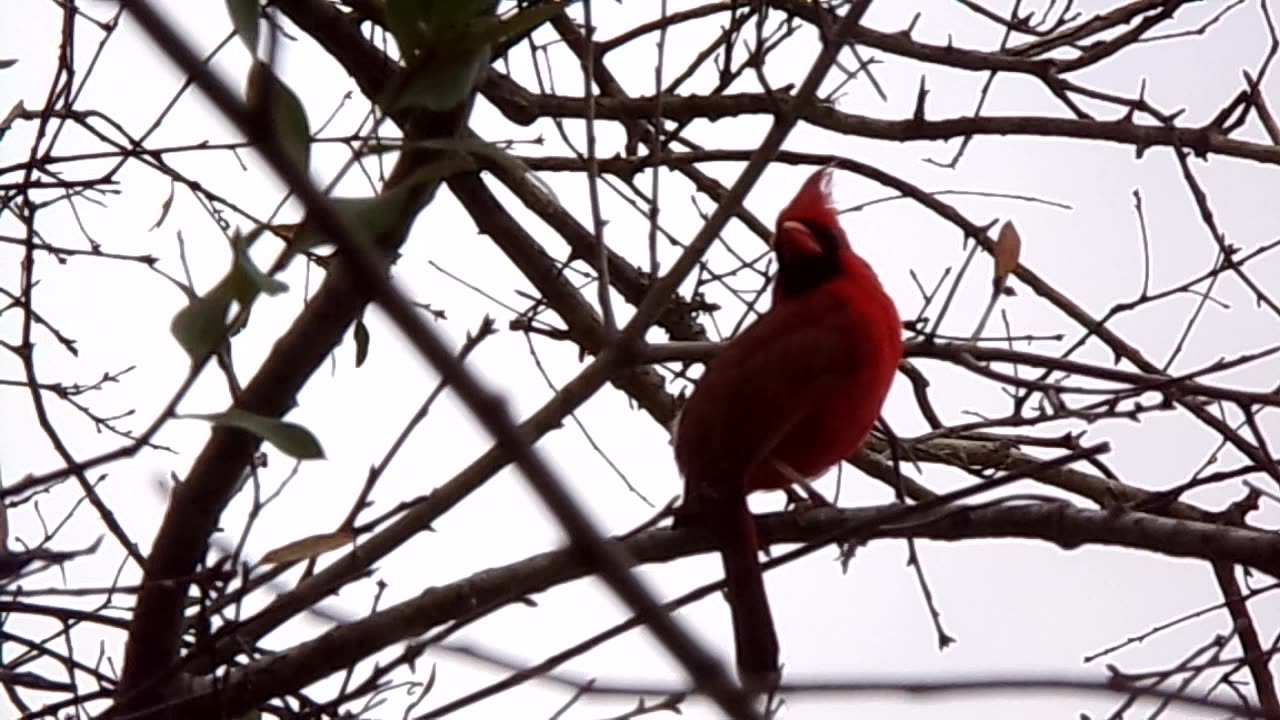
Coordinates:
<point>285,231</point>
<point>307,547</point>
<point>1008,248</point>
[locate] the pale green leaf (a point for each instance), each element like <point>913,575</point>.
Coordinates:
<point>202,325</point>
<point>244,18</point>
<point>268,97</point>
<point>289,438</point>
<point>472,144</point>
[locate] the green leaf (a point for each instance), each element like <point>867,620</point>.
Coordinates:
<point>244,18</point>
<point>437,171</point>
<point>442,82</point>
<point>447,44</point>
<point>372,216</point>
<point>361,335</point>
<point>201,326</point>
<point>290,438</point>
<point>275,103</point>
<point>452,17</point>
<point>246,279</point>
<point>493,30</point>
<point>473,144</point>
<point>406,21</point>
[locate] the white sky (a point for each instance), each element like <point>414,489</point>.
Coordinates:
<point>1015,607</point>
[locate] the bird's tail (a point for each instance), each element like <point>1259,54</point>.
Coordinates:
<point>753,632</point>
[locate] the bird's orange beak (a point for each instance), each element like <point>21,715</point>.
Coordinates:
<point>793,239</point>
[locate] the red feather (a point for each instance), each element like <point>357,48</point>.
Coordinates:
<point>788,398</point>
<point>813,202</point>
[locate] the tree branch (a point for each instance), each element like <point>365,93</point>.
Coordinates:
<point>1059,523</point>
<point>522,107</point>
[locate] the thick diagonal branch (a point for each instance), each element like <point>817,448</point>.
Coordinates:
<point>197,502</point>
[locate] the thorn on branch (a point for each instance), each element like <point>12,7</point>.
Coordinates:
<point>921,95</point>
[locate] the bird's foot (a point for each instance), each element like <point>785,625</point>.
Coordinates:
<point>810,499</point>
<point>670,510</point>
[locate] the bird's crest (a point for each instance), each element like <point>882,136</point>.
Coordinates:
<point>813,201</point>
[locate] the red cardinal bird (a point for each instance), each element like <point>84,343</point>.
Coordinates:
<point>786,399</point>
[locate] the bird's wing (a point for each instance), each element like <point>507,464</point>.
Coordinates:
<point>763,383</point>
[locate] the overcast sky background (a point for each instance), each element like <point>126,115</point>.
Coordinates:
<point>1015,607</point>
